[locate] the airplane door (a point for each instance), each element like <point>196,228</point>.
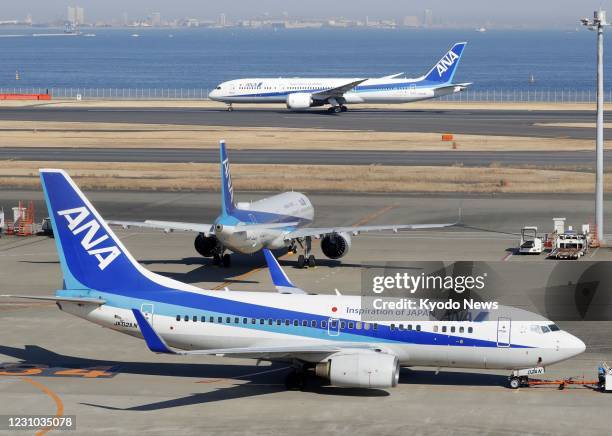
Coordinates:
<point>503,332</point>
<point>333,327</point>
<point>147,312</point>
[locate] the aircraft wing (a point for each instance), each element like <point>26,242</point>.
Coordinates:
<point>336,92</point>
<point>167,226</point>
<point>318,232</point>
<point>67,299</point>
<point>157,344</point>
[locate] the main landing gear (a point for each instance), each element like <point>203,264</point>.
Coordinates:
<point>230,107</point>
<point>337,109</point>
<point>295,380</point>
<point>306,259</point>
<point>222,259</point>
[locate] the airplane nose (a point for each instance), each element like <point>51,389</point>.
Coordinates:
<point>574,345</point>
<point>213,94</point>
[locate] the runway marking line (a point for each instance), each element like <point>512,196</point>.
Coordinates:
<point>58,402</point>
<point>507,257</point>
<point>362,221</point>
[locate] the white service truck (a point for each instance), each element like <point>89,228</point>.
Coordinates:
<point>530,242</point>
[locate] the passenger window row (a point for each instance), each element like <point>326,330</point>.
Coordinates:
<point>352,325</point>
<point>453,329</point>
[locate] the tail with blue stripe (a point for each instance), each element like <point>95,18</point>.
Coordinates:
<point>91,255</point>
<point>444,71</point>
<point>227,190</point>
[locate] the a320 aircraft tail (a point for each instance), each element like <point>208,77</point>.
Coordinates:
<point>91,255</point>
<point>227,190</point>
<point>444,70</point>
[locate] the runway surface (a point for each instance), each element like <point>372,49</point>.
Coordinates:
<point>466,121</point>
<point>583,159</point>
<point>160,395</point>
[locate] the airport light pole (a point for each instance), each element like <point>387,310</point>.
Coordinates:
<point>597,24</point>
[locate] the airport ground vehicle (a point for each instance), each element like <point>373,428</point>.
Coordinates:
<point>530,242</point>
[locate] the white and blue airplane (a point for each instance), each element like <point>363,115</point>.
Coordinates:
<point>280,221</point>
<point>301,93</point>
<point>104,284</point>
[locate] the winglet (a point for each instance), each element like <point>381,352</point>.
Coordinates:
<point>279,278</point>
<point>153,340</point>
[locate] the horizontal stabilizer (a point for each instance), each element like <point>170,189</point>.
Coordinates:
<point>97,301</point>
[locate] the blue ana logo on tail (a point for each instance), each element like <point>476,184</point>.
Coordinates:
<point>76,224</point>
<point>228,178</point>
<point>446,62</point>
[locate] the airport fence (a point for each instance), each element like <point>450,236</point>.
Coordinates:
<point>488,95</point>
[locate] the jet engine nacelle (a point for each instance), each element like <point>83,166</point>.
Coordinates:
<point>205,245</point>
<point>336,245</point>
<point>361,370</point>
<point>299,100</point>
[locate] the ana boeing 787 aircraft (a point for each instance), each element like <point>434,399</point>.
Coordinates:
<point>104,284</point>
<point>274,222</point>
<point>301,93</point>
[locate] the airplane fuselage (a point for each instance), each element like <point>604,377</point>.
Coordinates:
<point>282,212</point>
<point>213,319</point>
<point>269,90</point>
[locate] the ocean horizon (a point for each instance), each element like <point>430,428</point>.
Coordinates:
<point>201,58</point>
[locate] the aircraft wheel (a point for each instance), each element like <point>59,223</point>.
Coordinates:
<point>515,383</point>
<point>295,381</point>
<point>337,109</point>
<point>301,261</point>
<point>343,108</point>
<point>227,260</point>
<point>311,261</point>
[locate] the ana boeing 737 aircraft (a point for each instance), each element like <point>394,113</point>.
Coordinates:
<point>274,222</point>
<point>104,284</point>
<point>302,93</point>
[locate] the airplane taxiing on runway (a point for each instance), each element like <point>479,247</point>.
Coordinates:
<point>274,222</point>
<point>104,284</point>
<point>301,93</point>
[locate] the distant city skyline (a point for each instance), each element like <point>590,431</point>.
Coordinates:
<point>519,13</point>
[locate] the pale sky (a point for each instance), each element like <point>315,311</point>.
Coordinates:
<point>555,13</point>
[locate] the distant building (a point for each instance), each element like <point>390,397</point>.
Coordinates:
<point>156,19</point>
<point>75,15</point>
<point>411,21</point>
<point>222,20</point>
<point>428,18</point>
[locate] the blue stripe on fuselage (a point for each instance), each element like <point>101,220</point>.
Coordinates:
<point>173,303</point>
<point>421,84</point>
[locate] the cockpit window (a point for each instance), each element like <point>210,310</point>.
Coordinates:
<point>553,327</point>
<point>218,87</point>
<point>545,329</point>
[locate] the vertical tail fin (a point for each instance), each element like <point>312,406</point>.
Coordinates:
<point>91,255</point>
<point>227,190</point>
<point>444,70</point>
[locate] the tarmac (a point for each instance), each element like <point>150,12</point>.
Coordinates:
<point>546,159</point>
<point>137,391</point>
<point>493,121</point>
